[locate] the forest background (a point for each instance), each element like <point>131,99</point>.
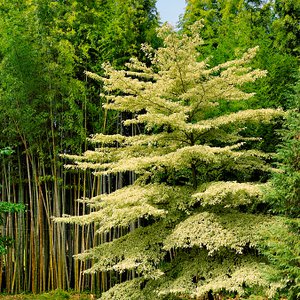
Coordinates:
<point>49,106</point>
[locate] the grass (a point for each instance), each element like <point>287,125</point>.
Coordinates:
<point>53,295</point>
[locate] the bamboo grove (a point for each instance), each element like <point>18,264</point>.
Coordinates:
<point>167,129</point>
<point>47,108</point>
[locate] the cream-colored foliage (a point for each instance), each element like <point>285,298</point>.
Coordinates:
<point>118,209</point>
<point>139,250</point>
<point>115,216</point>
<point>216,231</point>
<point>251,274</point>
<point>126,290</point>
<point>178,159</point>
<point>252,115</point>
<point>126,205</point>
<point>181,87</point>
<point>199,274</point>
<point>174,92</point>
<point>131,195</point>
<point>107,139</point>
<point>229,194</point>
<point>235,282</point>
<point>178,121</point>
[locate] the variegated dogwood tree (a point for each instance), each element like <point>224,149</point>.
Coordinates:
<point>194,201</point>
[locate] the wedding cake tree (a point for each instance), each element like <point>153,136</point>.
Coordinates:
<point>198,182</point>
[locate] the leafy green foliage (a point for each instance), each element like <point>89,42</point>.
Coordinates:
<point>6,151</point>
<point>286,26</point>
<point>7,207</point>
<point>285,193</point>
<point>45,48</point>
<point>280,244</point>
<point>38,90</point>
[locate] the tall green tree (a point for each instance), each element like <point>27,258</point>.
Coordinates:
<point>188,226</point>
<point>285,194</point>
<point>281,241</point>
<point>286,26</point>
